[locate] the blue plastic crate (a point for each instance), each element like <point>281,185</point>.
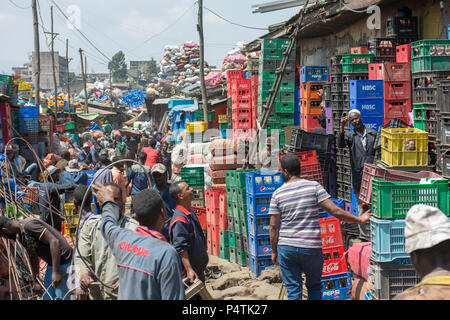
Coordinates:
<point>259,246</point>
<point>223,133</point>
<point>258,205</point>
<point>258,264</point>
<point>371,122</point>
<point>336,286</point>
<point>338,202</point>
<point>29,125</point>
<point>90,173</point>
<point>448,36</point>
<point>368,107</point>
<point>29,112</point>
<point>388,240</point>
<point>263,182</point>
<point>258,225</point>
<point>179,102</point>
<point>314,74</point>
<point>354,205</point>
<point>297,112</point>
<point>366,89</point>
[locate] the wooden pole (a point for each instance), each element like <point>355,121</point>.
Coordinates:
<point>202,61</point>
<point>84,82</point>
<point>68,76</point>
<point>37,71</point>
<point>53,65</point>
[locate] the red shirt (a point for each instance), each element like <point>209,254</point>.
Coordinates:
<point>153,156</point>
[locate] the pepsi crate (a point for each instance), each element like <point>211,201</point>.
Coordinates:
<point>258,205</point>
<point>258,264</point>
<point>366,89</point>
<point>263,182</point>
<point>387,280</point>
<point>338,202</point>
<point>335,287</point>
<point>258,225</point>
<point>259,246</point>
<point>388,240</point>
<point>314,74</point>
<point>368,107</point>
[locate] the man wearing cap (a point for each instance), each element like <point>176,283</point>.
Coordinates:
<point>361,144</point>
<point>427,240</point>
<point>85,154</point>
<point>74,174</point>
<point>159,174</point>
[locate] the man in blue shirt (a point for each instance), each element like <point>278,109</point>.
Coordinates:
<point>143,257</point>
<point>138,175</point>
<point>186,233</point>
<point>159,173</point>
<point>85,154</point>
<point>74,174</point>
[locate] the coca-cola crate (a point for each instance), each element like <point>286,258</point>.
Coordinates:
<point>396,90</point>
<point>334,261</point>
<point>241,113</point>
<point>223,221</point>
<point>309,122</point>
<point>330,232</point>
<point>235,74</point>
<point>242,124</point>
<point>403,53</point>
<point>399,109</point>
<point>390,71</point>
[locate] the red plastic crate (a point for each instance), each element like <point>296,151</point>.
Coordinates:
<point>239,133</point>
<point>215,234</point>
<point>215,249</point>
<point>334,261</point>
<point>359,259</point>
<point>309,166</point>
<point>212,197</point>
<point>209,238</point>
<point>60,127</point>
<point>358,50</point>
<point>31,194</point>
<point>403,53</point>
<point>241,84</point>
<point>331,233</point>
<point>397,109</point>
<point>223,204</point>
<point>242,124</point>
<point>395,90</point>
<point>309,122</point>
<point>242,113</point>
<point>223,221</point>
<point>212,216</point>
<point>201,215</point>
<point>235,74</point>
<point>390,71</point>
<point>406,120</point>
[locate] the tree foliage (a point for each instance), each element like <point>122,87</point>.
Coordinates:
<point>151,70</point>
<point>118,67</point>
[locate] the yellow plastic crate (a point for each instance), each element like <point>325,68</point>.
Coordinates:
<point>223,118</point>
<point>70,229</point>
<point>404,147</point>
<point>196,126</point>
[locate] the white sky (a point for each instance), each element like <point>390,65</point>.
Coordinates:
<point>126,25</point>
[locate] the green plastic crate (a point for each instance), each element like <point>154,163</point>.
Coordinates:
<point>224,252</point>
<point>268,43</point>
<point>287,86</point>
<point>70,125</point>
<point>241,258</point>
<point>392,200</point>
<point>422,47</point>
<point>223,126</point>
<point>223,237</point>
<point>268,75</point>
<point>430,63</point>
<point>229,179</point>
<point>198,115</point>
<point>232,239</point>
<point>272,54</point>
<point>286,97</point>
<point>356,63</point>
<point>284,44</point>
<point>237,227</point>
<point>240,178</point>
<point>244,227</point>
<point>229,208</point>
<point>242,211</point>
<point>284,107</point>
<point>193,176</point>
<point>235,211</point>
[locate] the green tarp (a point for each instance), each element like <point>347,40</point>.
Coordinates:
<point>88,116</point>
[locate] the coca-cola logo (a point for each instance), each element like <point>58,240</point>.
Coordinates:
<point>328,240</point>
<point>330,267</point>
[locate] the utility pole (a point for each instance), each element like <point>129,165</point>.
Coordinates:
<point>37,72</point>
<point>68,76</point>
<point>84,82</point>
<point>202,61</point>
<point>53,63</point>
<point>110,87</point>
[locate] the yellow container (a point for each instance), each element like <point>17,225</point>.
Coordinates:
<point>70,229</point>
<point>196,126</point>
<point>223,118</point>
<point>71,216</point>
<point>407,147</point>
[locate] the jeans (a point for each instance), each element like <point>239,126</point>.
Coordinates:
<point>295,261</point>
<point>59,292</point>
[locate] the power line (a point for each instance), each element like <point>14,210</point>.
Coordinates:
<point>16,5</point>
<point>234,23</point>
<point>90,42</point>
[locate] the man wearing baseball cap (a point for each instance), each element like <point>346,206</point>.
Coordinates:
<point>427,240</point>
<point>85,154</point>
<point>159,174</point>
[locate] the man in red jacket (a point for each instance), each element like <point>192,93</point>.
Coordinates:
<point>153,156</point>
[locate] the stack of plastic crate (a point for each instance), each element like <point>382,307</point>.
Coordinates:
<point>284,106</point>
<point>396,77</point>
<point>6,122</point>
<point>383,49</point>
<point>213,218</point>
<point>312,79</point>
<point>336,280</point>
<point>260,187</point>
<point>236,196</point>
<point>232,75</point>
<point>444,102</point>
<point>403,28</point>
<point>430,63</point>
<point>391,271</point>
<point>254,92</point>
<point>29,123</point>
<point>309,166</point>
<point>45,135</point>
<point>195,178</point>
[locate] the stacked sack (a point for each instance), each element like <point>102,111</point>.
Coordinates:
<point>219,149</point>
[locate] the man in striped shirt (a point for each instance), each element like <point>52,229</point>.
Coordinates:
<point>295,231</point>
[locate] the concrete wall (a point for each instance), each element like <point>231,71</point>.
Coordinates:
<point>46,76</point>
<point>317,51</point>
